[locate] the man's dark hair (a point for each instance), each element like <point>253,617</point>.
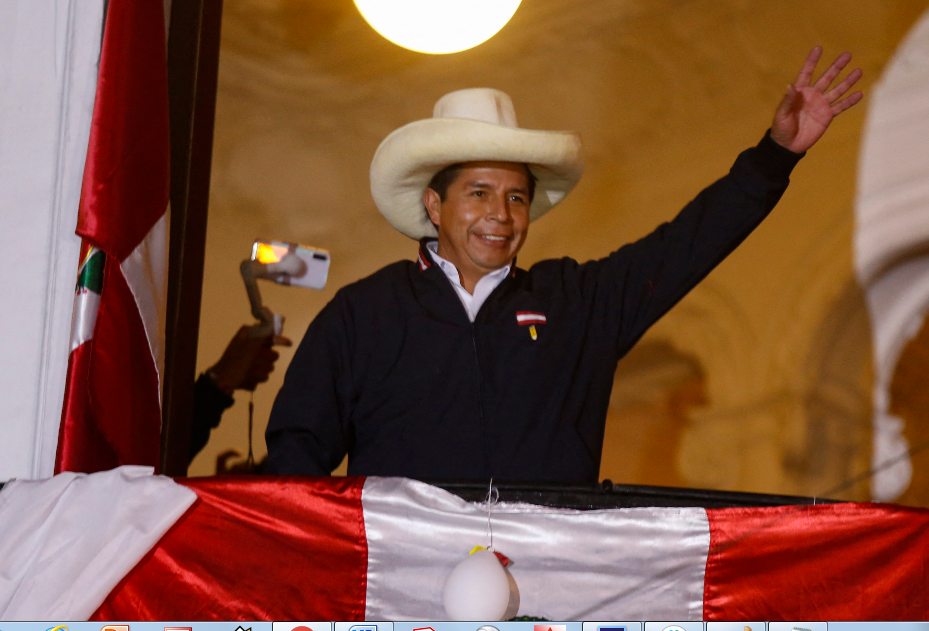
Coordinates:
<point>444,178</point>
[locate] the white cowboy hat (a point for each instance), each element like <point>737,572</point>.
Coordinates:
<point>477,124</point>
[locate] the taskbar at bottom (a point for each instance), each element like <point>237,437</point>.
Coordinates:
<point>513,625</point>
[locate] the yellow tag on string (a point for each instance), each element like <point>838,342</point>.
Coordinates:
<point>533,332</point>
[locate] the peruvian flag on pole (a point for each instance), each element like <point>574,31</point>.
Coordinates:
<point>112,407</point>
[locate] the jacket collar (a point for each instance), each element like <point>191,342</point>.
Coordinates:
<point>424,260</point>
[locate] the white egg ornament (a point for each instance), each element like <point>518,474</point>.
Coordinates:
<point>478,588</point>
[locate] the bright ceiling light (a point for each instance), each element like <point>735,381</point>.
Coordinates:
<point>437,26</point>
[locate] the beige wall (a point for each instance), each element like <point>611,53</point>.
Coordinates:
<point>759,380</point>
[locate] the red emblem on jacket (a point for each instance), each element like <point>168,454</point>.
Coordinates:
<point>529,317</point>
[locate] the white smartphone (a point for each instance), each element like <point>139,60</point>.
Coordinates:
<point>316,260</point>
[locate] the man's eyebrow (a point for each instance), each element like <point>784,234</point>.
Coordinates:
<point>485,185</point>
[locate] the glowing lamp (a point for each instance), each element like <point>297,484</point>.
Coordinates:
<point>437,26</point>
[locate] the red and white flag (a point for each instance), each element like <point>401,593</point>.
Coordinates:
<point>112,407</point>
<point>382,548</point>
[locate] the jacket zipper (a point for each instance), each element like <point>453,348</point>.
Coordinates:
<point>480,402</point>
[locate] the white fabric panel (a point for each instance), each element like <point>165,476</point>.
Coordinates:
<point>649,563</point>
<point>49,51</point>
<point>892,234</point>
<point>68,540</point>
<point>84,318</point>
<point>146,273</point>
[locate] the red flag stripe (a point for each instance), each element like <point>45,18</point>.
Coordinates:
<point>81,445</point>
<point>124,379</point>
<point>826,562</point>
<point>126,179</point>
<point>255,549</point>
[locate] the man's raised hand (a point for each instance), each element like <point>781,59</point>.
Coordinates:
<point>807,108</point>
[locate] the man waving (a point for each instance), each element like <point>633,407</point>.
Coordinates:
<point>462,365</point>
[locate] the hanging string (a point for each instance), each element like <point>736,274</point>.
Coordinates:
<point>493,496</point>
<point>250,461</point>
<point>870,473</point>
<point>862,477</point>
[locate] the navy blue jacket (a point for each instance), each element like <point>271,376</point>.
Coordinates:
<point>394,374</point>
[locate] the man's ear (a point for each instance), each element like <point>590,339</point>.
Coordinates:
<point>433,203</point>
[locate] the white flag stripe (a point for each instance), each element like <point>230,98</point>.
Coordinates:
<point>650,562</point>
<point>84,316</point>
<point>146,273</point>
<point>523,318</point>
<point>68,540</point>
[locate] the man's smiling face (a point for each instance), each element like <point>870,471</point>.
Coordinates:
<point>483,221</point>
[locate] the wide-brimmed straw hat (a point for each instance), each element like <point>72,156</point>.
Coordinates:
<point>473,125</point>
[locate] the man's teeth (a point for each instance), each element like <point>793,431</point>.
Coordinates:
<point>493,237</point>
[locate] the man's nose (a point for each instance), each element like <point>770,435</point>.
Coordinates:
<point>499,209</point>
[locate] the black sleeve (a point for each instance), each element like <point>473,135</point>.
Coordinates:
<point>639,283</point>
<point>209,404</point>
<point>308,430</point>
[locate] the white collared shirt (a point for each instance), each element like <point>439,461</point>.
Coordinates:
<point>472,302</point>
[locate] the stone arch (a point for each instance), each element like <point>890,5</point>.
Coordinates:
<point>836,404</point>
<point>892,234</point>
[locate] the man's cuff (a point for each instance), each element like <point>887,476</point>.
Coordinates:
<point>774,161</point>
<point>208,394</point>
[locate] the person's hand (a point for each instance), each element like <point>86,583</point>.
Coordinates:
<point>247,361</point>
<point>807,108</point>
